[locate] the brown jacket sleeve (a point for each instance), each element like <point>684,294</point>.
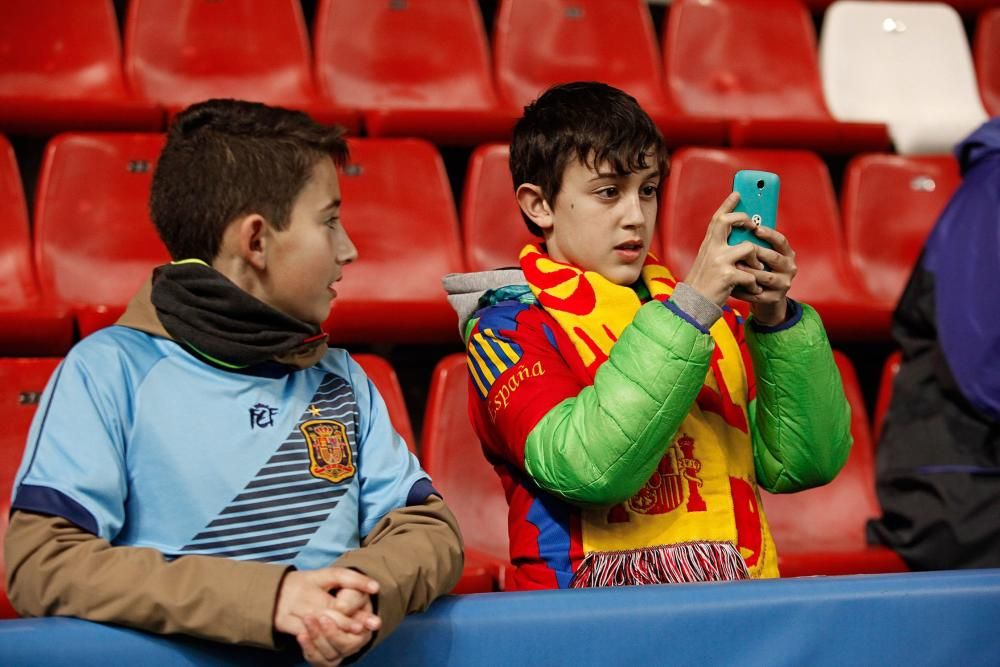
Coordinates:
<point>415,554</point>
<point>55,568</point>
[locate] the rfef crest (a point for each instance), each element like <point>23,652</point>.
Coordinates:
<point>329,450</point>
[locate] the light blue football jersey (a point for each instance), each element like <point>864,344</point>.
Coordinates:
<point>143,444</point>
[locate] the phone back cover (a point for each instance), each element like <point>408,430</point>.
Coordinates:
<point>758,197</point>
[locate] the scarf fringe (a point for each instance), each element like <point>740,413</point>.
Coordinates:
<point>665,564</point>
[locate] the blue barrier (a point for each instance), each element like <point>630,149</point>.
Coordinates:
<point>913,619</point>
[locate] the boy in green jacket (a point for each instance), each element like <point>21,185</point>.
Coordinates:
<point>631,416</point>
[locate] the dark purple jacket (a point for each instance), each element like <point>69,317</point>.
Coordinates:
<point>939,454</point>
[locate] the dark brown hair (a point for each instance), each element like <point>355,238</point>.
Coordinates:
<point>588,121</point>
<point>227,158</point>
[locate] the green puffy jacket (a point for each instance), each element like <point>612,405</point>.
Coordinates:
<point>799,420</point>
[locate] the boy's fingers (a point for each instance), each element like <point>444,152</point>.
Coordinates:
<point>775,260</point>
<point>342,622</point>
<point>348,601</point>
<point>728,204</point>
<point>318,644</point>
<point>340,577</point>
<point>722,225</point>
<point>369,620</point>
<point>741,252</point>
<point>769,279</point>
<point>777,240</point>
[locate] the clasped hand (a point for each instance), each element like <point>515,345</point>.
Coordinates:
<point>329,612</point>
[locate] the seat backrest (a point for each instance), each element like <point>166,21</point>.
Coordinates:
<point>18,285</point>
<point>493,231</point>
<point>735,58</point>
<point>701,178</point>
<point>415,54</point>
<point>884,398</point>
<point>906,64</point>
<point>452,455</point>
<point>539,43</point>
<point>21,384</point>
<point>889,205</point>
<point>181,51</point>
<point>987,59</point>
<point>386,381</point>
<point>60,49</point>
<point>831,517</point>
<point>400,213</point>
<point>94,241</point>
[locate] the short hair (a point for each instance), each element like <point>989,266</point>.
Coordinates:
<point>226,158</point>
<point>585,120</point>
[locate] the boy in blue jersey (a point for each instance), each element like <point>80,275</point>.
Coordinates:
<point>208,466</point>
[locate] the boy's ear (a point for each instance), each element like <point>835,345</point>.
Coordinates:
<point>533,204</point>
<point>253,236</point>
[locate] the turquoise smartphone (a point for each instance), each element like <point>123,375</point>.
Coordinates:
<point>759,199</point>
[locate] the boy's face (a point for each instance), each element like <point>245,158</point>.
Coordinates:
<point>603,221</point>
<point>309,255</point>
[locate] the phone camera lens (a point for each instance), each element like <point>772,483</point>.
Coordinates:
<point>760,185</point>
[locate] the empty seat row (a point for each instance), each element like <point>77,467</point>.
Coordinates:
<point>93,244</point>
<point>423,67</point>
<point>820,531</point>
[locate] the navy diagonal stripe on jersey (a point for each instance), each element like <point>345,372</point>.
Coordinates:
<point>255,539</point>
<point>277,470</point>
<point>287,479</point>
<point>260,516</point>
<point>278,558</point>
<point>233,553</point>
<point>332,492</point>
<point>300,455</point>
<point>261,527</point>
<point>281,490</point>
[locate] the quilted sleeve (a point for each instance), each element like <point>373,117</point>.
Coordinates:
<point>800,419</point>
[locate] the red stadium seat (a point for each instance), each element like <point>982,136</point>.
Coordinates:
<point>28,325</point>
<point>889,371</point>
<point>178,52</point>
<point>387,383</point>
<point>889,204</point>
<point>539,43</point>
<point>399,211</point>
<point>701,178</point>
<point>987,59</point>
<point>62,69</point>
<point>452,455</point>
<point>493,231</point>
<point>21,385</point>
<point>822,530</point>
<point>422,68</point>
<point>760,73</point>
<point>94,242</point>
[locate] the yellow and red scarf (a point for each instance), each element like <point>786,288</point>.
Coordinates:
<point>698,517</point>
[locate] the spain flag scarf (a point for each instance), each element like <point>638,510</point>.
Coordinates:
<point>698,517</point>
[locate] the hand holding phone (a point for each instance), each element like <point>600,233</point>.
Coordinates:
<point>758,192</point>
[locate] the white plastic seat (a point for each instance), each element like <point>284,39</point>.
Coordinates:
<point>907,64</point>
